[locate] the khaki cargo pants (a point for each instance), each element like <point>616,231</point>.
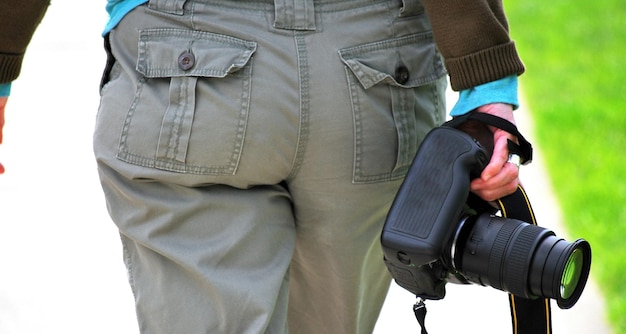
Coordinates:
<point>249,152</point>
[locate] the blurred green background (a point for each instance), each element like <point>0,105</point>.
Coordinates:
<point>575,87</point>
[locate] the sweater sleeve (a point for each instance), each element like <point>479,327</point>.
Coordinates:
<point>18,21</point>
<point>473,37</point>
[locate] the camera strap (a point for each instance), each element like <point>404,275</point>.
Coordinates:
<point>524,150</point>
<point>420,313</point>
<point>528,316</point>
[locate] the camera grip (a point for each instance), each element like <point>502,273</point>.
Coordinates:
<point>427,207</point>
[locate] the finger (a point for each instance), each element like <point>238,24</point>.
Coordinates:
<point>492,194</point>
<point>502,184</point>
<point>499,156</point>
<point>508,172</point>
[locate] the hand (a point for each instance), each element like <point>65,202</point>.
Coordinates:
<point>3,103</point>
<point>499,178</point>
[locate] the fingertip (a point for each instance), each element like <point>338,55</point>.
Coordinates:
<point>490,171</point>
<point>477,185</point>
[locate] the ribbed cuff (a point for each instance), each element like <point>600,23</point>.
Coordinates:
<point>10,66</point>
<point>499,91</point>
<point>5,89</point>
<point>484,66</point>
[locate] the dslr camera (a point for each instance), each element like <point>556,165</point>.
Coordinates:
<point>437,232</point>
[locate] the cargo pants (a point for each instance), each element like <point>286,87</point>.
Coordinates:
<point>249,152</point>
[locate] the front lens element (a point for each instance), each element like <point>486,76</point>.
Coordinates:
<point>571,274</point>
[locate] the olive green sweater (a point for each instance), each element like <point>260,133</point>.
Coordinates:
<point>472,36</point>
<point>18,21</point>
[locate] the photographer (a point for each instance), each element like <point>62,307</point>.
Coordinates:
<point>270,210</point>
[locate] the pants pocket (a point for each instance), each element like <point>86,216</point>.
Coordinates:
<point>397,90</point>
<point>190,110</point>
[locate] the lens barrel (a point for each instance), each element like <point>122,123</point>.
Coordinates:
<point>524,259</point>
<point>564,271</point>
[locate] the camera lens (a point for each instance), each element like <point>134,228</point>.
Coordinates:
<point>524,259</point>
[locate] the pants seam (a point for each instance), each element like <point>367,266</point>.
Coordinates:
<point>303,72</point>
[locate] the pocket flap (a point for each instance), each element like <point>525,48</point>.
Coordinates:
<point>176,53</point>
<point>409,61</point>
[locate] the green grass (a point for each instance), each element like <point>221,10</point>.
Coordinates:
<point>575,86</point>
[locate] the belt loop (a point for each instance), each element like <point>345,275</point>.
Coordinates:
<point>168,6</point>
<point>294,14</point>
<point>411,8</point>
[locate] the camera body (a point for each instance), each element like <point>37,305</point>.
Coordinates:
<point>426,211</point>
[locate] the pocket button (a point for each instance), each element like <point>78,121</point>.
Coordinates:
<point>186,60</point>
<point>402,74</point>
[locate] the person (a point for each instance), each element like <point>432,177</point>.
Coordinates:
<point>249,150</point>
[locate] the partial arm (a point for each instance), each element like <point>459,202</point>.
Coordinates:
<point>18,21</point>
<point>473,37</point>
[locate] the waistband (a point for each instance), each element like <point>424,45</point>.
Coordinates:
<point>292,14</point>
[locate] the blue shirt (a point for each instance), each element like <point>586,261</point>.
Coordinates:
<point>5,89</point>
<point>117,9</point>
<point>499,91</point>
<point>502,91</point>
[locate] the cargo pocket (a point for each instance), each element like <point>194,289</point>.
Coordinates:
<point>396,91</point>
<point>190,109</point>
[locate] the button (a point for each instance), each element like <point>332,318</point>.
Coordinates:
<point>186,60</point>
<point>402,74</point>
<point>404,258</point>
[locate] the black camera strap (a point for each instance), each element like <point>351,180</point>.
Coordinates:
<point>528,316</point>
<point>420,313</point>
<point>524,149</point>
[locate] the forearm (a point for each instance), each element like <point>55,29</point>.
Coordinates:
<point>18,21</point>
<point>473,38</point>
